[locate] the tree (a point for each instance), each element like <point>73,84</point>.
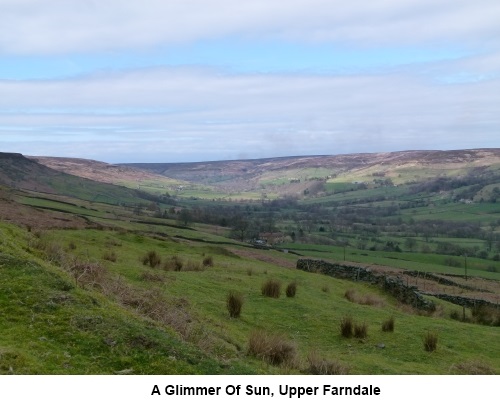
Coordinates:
<point>185,216</point>
<point>410,244</point>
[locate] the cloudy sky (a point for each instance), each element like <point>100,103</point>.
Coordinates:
<point>193,80</point>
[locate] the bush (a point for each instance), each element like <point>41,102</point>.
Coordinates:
<point>388,325</point>
<point>271,288</point>
<point>152,259</point>
<point>321,366</point>
<point>360,330</point>
<point>346,326</point>
<point>291,289</point>
<point>234,303</point>
<point>274,349</point>
<point>430,341</point>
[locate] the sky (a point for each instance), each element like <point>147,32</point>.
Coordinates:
<point>126,81</point>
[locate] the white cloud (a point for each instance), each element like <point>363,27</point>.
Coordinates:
<point>59,26</point>
<point>196,114</point>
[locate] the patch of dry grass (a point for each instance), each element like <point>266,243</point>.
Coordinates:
<point>273,349</point>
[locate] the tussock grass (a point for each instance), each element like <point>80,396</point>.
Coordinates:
<point>273,349</point>
<point>486,315</point>
<point>271,288</point>
<point>360,330</point>
<point>346,326</point>
<point>368,299</point>
<point>151,259</point>
<point>110,256</point>
<point>174,263</point>
<point>430,341</point>
<point>208,261</point>
<point>192,266</point>
<point>234,304</point>
<point>472,367</point>
<point>320,366</point>
<point>388,325</point>
<point>291,289</point>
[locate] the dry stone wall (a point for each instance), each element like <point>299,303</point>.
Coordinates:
<point>394,286</point>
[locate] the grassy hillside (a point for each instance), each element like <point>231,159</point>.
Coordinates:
<point>19,172</point>
<point>101,287</point>
<point>87,301</point>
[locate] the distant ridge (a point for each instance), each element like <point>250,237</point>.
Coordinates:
<point>250,169</point>
<point>294,175</point>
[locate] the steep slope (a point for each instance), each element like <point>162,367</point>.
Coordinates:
<point>19,172</point>
<point>52,326</point>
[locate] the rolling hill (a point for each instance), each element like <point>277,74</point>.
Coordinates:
<point>284,175</point>
<point>90,285</point>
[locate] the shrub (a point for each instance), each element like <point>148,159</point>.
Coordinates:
<point>322,366</point>
<point>152,259</point>
<point>388,325</point>
<point>274,349</point>
<point>208,261</point>
<point>291,289</point>
<point>234,303</point>
<point>271,288</point>
<point>346,327</point>
<point>430,341</point>
<point>360,330</point>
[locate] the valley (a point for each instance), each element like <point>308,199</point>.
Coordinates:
<point>128,269</point>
